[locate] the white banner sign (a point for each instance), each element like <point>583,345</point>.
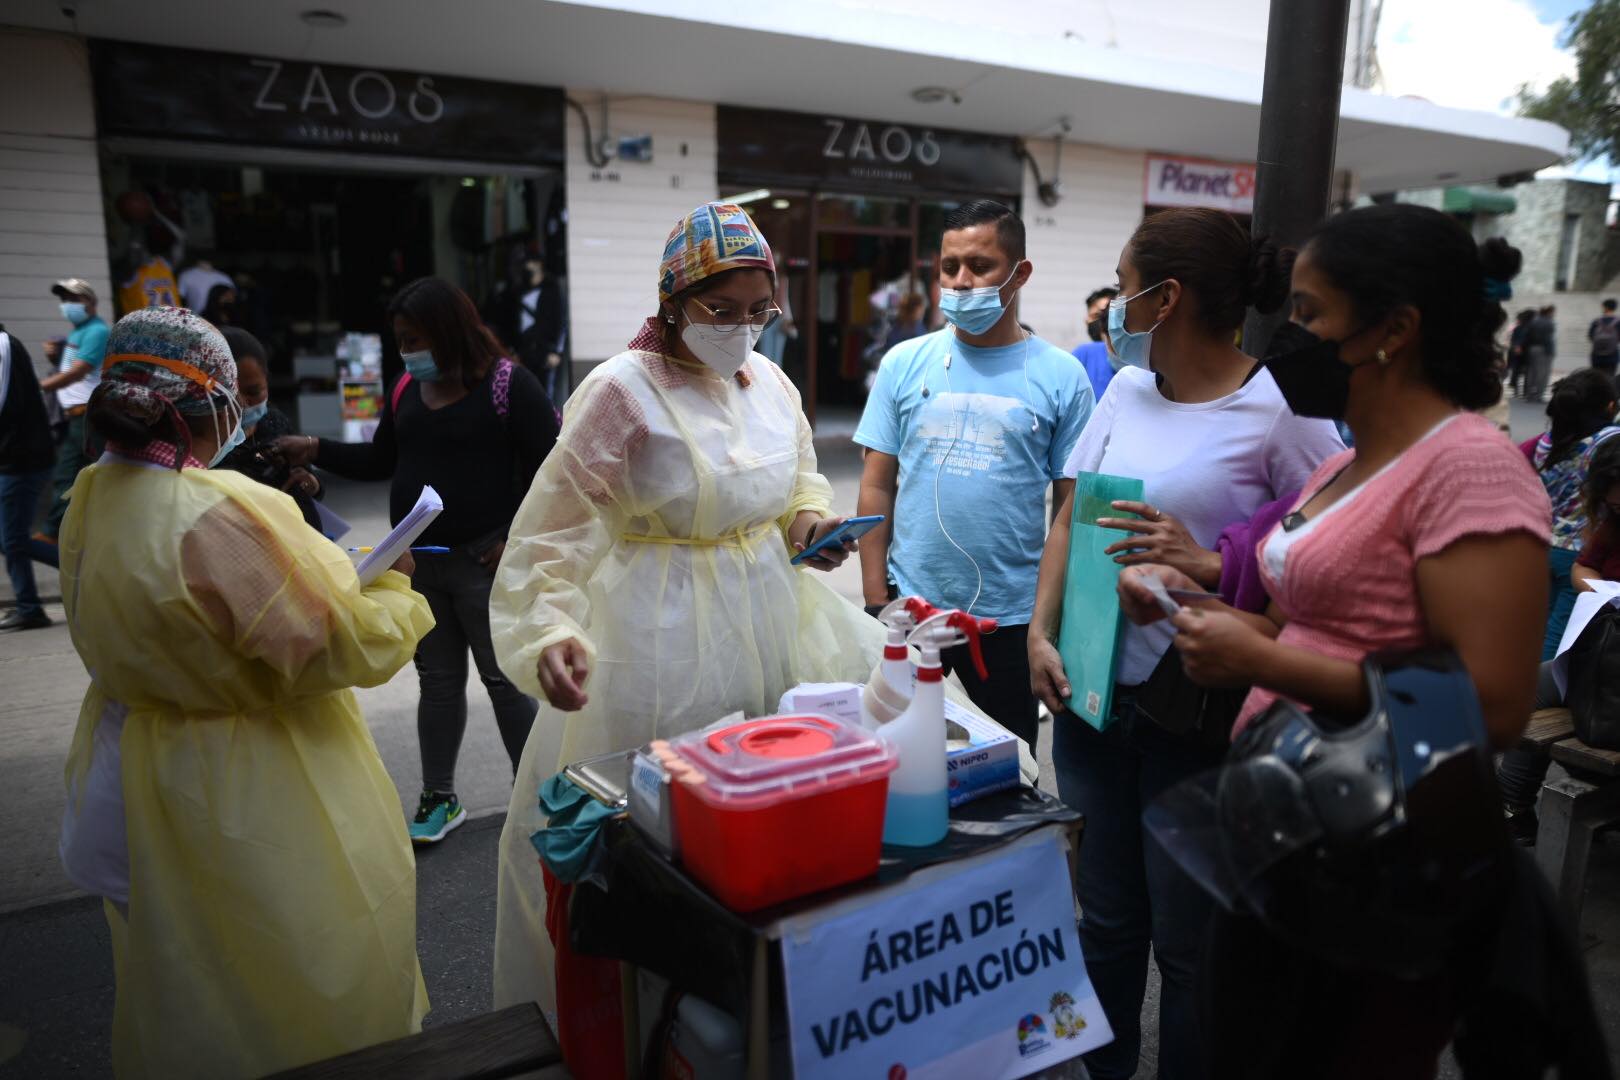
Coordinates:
<point>1174,181</point>
<point>974,974</point>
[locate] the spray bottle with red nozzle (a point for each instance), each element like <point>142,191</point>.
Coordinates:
<point>918,809</point>
<point>888,691</point>
<point>902,616</point>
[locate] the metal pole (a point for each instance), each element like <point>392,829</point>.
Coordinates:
<point>1299,124</point>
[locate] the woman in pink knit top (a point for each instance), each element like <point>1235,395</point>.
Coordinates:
<point>1432,532</point>
<point>1434,529</point>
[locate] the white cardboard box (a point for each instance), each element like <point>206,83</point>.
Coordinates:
<point>987,762</point>
<point>839,700</point>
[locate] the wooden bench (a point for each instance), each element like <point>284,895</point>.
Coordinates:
<point>515,1041</point>
<point>1548,726</point>
<point>1577,756</point>
<point>1573,806</point>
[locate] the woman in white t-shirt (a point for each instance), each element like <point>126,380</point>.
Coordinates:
<point>1206,429</point>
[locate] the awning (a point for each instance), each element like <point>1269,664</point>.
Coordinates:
<point>848,59</point>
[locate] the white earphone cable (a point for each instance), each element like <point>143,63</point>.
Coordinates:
<point>956,437</point>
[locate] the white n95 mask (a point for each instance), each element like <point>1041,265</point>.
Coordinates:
<point>724,353</point>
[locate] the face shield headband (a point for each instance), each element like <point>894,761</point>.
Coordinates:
<point>217,399</point>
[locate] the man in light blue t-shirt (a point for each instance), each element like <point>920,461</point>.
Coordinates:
<point>964,431</point>
<point>79,361</point>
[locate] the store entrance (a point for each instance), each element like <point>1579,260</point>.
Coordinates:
<point>314,257</point>
<point>860,281</point>
<point>856,276</point>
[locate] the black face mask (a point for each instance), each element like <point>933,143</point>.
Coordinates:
<point>1313,379</point>
<point>1097,327</point>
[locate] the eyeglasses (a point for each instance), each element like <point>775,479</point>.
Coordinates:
<point>723,320</point>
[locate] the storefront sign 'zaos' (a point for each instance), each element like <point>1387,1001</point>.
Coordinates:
<point>807,150</point>
<point>151,92</point>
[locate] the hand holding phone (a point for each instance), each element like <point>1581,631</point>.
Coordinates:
<point>853,529</point>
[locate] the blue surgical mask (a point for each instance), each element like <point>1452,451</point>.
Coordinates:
<point>230,444</point>
<point>975,311</point>
<point>420,365</point>
<point>1131,348</point>
<point>254,413</point>
<point>74,312</point>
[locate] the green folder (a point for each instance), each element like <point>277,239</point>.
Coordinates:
<point>1089,638</point>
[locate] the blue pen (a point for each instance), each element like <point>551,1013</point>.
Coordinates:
<point>429,550</point>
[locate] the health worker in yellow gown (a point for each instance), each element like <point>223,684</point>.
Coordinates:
<point>224,794</point>
<point>646,588</point>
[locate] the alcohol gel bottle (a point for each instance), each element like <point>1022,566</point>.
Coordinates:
<point>917,813</point>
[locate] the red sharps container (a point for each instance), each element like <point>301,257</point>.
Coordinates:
<point>776,808</point>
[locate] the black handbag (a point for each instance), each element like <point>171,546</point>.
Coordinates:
<point>1174,702</point>
<point>1594,681</point>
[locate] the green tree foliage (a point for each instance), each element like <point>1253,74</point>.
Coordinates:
<point>1589,104</point>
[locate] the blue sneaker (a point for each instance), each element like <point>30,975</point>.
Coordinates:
<point>436,814</point>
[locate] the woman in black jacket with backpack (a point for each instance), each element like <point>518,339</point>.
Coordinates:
<point>474,426</point>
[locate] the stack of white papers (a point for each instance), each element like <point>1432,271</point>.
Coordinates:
<point>1587,604</point>
<point>384,555</point>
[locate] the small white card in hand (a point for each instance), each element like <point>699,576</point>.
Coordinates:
<point>396,543</point>
<point>1160,593</point>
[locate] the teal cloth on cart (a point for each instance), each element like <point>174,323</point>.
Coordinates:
<point>573,822</point>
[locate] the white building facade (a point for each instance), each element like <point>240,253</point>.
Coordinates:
<point>851,129</point>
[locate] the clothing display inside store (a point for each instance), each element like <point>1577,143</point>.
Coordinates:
<point>147,282</point>
<point>850,269</point>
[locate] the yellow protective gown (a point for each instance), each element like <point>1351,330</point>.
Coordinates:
<point>272,890</point>
<point>654,533</point>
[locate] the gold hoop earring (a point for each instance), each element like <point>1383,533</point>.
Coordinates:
<point>1381,356</point>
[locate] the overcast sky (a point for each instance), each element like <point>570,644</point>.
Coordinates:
<point>1474,54</point>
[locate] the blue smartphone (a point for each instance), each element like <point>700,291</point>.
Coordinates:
<point>853,529</point>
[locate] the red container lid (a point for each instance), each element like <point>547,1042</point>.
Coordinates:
<point>757,762</point>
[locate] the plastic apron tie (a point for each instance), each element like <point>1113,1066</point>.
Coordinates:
<point>742,539</point>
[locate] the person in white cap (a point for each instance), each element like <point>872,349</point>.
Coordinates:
<point>78,372</point>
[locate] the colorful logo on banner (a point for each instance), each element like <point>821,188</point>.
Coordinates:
<point>976,974</point>
<point>1175,181</point>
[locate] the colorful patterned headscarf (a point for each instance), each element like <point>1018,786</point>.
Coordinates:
<point>712,239</point>
<point>169,360</point>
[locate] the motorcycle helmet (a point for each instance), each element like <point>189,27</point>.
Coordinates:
<point>1374,844</point>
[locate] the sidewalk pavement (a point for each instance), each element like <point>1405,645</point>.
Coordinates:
<point>57,1016</point>
<point>61,1011</point>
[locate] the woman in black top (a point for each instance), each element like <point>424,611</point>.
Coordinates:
<point>262,425</point>
<point>474,426</point>
<point>26,456</point>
